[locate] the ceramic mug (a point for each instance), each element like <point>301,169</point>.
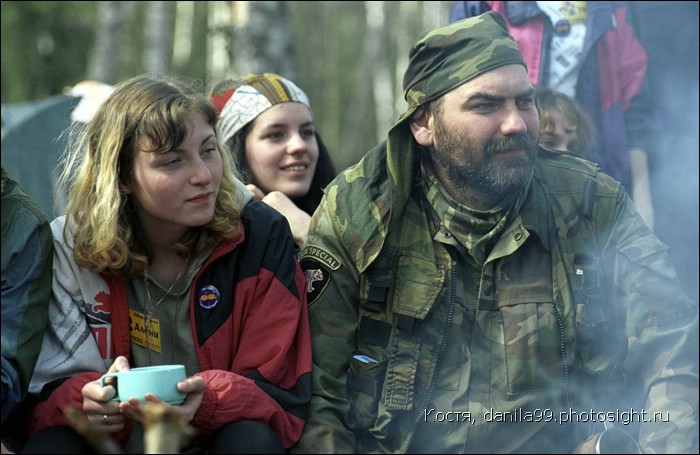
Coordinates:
<point>160,380</point>
<point>612,440</point>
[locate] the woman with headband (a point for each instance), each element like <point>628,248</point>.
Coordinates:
<point>267,123</point>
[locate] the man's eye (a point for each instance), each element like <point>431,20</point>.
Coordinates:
<point>484,106</point>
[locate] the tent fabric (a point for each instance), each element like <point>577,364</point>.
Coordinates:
<point>32,143</point>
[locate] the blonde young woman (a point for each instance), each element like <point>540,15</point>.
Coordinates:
<point>164,257</point>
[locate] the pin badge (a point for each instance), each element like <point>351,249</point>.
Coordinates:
<point>208,297</point>
<point>562,27</point>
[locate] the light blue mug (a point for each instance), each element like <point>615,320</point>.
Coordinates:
<point>160,380</point>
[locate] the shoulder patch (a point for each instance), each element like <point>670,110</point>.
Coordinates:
<point>317,277</point>
<point>320,255</point>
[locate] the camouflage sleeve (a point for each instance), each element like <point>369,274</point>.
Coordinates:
<point>662,333</point>
<point>332,291</point>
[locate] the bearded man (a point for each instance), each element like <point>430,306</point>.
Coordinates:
<point>476,293</point>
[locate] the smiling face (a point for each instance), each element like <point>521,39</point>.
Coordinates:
<point>281,149</point>
<point>177,189</point>
<point>482,136</point>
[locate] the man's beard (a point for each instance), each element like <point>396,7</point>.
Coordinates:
<point>472,168</point>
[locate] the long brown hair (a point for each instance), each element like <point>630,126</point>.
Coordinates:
<point>147,113</point>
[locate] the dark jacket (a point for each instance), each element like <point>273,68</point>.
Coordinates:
<point>27,255</point>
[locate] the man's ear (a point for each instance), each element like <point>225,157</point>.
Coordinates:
<point>421,128</point>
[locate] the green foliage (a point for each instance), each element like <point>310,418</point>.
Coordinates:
<point>48,46</point>
<point>44,47</point>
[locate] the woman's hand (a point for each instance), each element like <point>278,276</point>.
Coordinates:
<point>298,219</point>
<point>102,413</point>
<point>257,192</point>
<point>194,388</point>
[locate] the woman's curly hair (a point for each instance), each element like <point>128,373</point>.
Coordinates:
<point>146,113</point>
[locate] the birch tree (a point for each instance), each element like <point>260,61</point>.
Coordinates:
<point>158,36</point>
<point>104,62</point>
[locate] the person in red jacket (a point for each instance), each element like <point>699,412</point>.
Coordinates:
<point>164,257</point>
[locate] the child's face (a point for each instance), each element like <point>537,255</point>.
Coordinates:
<point>562,135</point>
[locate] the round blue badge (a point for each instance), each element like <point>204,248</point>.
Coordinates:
<point>208,297</point>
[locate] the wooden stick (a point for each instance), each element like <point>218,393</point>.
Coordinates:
<point>164,431</point>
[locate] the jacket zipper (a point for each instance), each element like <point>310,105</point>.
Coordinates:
<point>441,355</point>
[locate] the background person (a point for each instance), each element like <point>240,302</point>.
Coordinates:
<point>163,257</point>
<point>563,124</point>
<point>267,123</point>
<point>460,268</point>
<point>27,258</point>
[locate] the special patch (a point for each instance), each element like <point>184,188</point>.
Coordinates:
<point>317,264</point>
<point>317,278</point>
<point>321,255</point>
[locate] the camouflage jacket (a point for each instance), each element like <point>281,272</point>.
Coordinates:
<point>417,349</point>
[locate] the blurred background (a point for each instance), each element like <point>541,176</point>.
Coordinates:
<point>348,56</point>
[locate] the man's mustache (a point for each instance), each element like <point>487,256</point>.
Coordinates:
<point>521,141</point>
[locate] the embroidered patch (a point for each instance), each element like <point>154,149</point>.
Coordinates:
<point>321,255</point>
<point>208,297</point>
<point>317,277</point>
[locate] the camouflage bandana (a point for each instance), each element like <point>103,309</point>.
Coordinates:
<point>447,57</point>
<point>238,101</point>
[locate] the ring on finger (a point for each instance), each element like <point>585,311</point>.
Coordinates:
<point>105,421</point>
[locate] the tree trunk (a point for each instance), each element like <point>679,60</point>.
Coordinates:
<point>104,61</point>
<point>261,39</point>
<point>158,36</point>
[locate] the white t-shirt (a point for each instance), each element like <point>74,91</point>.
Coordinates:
<point>569,21</point>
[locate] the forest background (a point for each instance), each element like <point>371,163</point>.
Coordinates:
<point>348,56</point>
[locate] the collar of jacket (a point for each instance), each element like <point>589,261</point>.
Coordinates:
<point>382,179</point>
<point>519,12</point>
